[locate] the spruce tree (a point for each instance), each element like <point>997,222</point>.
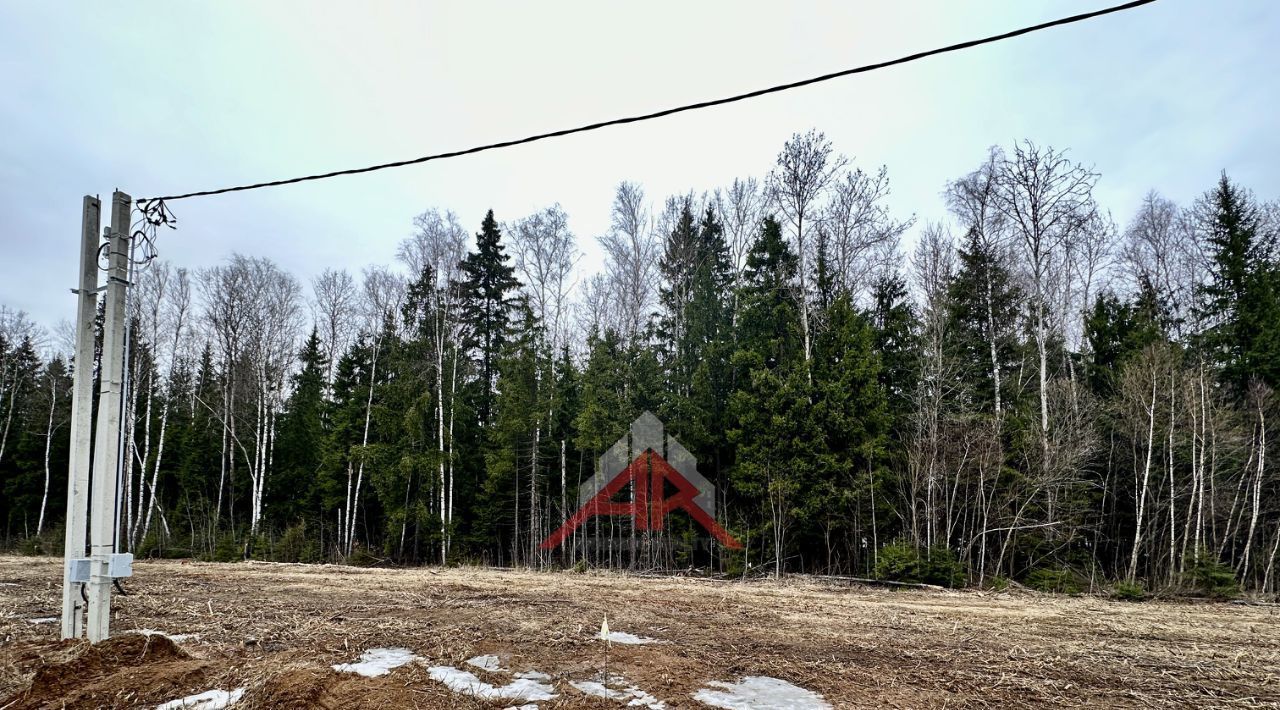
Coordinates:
<point>983,315</point>
<point>776,441</point>
<point>300,438</point>
<point>1240,302</point>
<point>488,284</point>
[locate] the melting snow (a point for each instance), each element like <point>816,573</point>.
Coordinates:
<point>624,637</point>
<point>210,700</point>
<point>378,661</point>
<point>760,693</point>
<point>43,620</point>
<point>460,681</point>
<point>176,638</point>
<point>488,663</point>
<point>634,696</point>
<point>528,706</point>
<point>534,675</point>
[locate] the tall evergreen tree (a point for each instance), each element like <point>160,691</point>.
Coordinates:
<point>488,284</point>
<point>300,437</point>
<point>1241,302</point>
<point>773,431</point>
<point>983,310</point>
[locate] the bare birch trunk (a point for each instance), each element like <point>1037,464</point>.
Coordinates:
<point>1146,476</point>
<point>48,442</point>
<point>1257,486</point>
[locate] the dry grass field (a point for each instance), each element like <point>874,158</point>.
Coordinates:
<point>277,630</point>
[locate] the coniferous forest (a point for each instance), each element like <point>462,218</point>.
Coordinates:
<point>1035,390</point>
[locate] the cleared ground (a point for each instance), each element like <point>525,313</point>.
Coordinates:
<point>276,630</point>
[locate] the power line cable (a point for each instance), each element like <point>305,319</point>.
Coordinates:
<point>668,111</point>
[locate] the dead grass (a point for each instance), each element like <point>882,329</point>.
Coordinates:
<point>276,629</point>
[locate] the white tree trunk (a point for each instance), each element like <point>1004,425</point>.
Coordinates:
<point>48,441</point>
<point>1146,478</point>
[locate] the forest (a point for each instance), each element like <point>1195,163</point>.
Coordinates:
<point>1034,390</point>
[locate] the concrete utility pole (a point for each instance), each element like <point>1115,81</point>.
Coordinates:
<point>81,418</point>
<point>106,458</point>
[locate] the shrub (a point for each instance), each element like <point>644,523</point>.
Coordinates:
<point>1128,591</point>
<point>227,549</point>
<point>1054,579</point>
<point>294,546</point>
<point>1212,578</point>
<point>900,561</point>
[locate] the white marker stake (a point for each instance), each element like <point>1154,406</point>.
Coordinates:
<point>604,634</point>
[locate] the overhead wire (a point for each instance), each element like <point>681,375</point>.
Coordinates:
<point>667,111</point>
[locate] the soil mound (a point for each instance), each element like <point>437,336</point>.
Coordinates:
<point>124,670</point>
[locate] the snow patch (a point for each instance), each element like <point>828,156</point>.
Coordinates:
<point>378,661</point>
<point>624,637</point>
<point>208,700</point>
<point>528,706</point>
<point>176,638</point>
<point>43,620</point>
<point>8,584</point>
<point>488,663</point>
<point>534,675</point>
<point>633,696</point>
<point>760,693</point>
<point>467,683</point>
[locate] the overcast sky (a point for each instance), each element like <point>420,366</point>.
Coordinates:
<point>162,97</point>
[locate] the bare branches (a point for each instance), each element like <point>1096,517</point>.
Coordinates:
<point>333,310</point>
<point>632,250</point>
<point>545,254</point>
<point>864,238</point>
<point>740,207</point>
<point>438,243</point>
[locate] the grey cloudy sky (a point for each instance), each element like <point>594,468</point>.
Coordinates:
<point>161,97</point>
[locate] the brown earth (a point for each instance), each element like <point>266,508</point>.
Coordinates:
<point>276,630</point>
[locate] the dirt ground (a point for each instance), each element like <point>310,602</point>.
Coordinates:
<point>276,630</point>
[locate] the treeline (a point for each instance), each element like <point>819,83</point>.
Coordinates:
<point>1032,393</point>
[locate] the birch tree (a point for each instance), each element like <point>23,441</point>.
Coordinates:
<point>864,238</point>
<point>545,256</point>
<point>631,250</point>
<point>381,298</point>
<point>804,169</point>
<point>437,247</point>
<point>1047,199</point>
<point>334,307</point>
